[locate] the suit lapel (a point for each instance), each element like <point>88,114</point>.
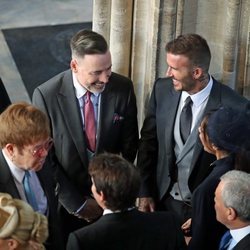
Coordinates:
<point>173,102</point>
<point>6,180</point>
<point>107,111</point>
<point>244,243</point>
<point>70,110</point>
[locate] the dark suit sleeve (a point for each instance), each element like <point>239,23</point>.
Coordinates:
<point>69,197</point>
<point>73,242</point>
<point>148,149</point>
<point>130,128</point>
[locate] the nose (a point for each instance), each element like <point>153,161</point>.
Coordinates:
<point>169,72</point>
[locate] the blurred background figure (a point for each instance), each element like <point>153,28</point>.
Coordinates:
<point>232,205</point>
<point>224,133</point>
<point>115,186</point>
<point>21,228</point>
<point>25,142</point>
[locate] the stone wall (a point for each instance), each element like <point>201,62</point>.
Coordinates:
<point>138,31</point>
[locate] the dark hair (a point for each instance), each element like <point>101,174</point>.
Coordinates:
<point>194,47</point>
<point>117,178</point>
<point>87,42</point>
<point>229,130</point>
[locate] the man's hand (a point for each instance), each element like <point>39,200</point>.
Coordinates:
<point>90,211</point>
<point>146,204</point>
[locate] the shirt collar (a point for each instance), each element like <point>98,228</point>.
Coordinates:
<point>239,234</point>
<point>108,211</point>
<point>17,172</point>
<point>199,97</point>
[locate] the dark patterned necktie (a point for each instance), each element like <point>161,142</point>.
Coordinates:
<point>186,118</point>
<point>89,120</point>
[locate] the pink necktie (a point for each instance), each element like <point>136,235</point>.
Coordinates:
<point>89,120</point>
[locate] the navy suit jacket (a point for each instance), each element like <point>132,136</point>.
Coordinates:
<point>156,157</point>
<point>131,230</point>
<point>7,185</point>
<point>117,133</point>
<point>205,228</point>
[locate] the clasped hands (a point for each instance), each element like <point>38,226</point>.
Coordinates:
<point>90,211</point>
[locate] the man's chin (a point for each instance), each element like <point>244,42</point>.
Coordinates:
<point>97,89</point>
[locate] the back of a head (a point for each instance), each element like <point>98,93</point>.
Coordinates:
<point>117,179</point>
<point>236,193</point>
<point>22,124</point>
<point>194,47</point>
<point>87,42</point>
<point>18,221</point>
<point>228,129</point>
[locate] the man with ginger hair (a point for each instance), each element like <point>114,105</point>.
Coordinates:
<point>25,141</point>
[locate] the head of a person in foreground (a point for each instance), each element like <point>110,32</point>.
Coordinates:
<point>115,182</point>
<point>21,228</point>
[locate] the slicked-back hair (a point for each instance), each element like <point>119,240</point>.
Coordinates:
<point>117,178</point>
<point>236,193</point>
<point>194,47</point>
<point>87,42</point>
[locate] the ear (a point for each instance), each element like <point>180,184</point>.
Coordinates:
<point>197,73</point>
<point>12,244</point>
<point>73,65</point>
<point>231,214</point>
<point>102,196</point>
<point>10,148</point>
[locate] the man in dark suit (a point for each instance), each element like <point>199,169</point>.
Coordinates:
<point>115,185</point>
<point>25,142</point>
<point>232,206</point>
<point>170,156</point>
<point>65,99</point>
<point>4,100</point>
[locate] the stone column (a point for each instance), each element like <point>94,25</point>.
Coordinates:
<point>167,28</point>
<point>180,16</point>
<point>230,42</point>
<point>144,48</point>
<point>243,63</point>
<point>120,35</point>
<point>246,88</point>
<point>101,17</point>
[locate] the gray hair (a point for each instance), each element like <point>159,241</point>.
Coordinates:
<point>236,193</point>
<point>87,42</point>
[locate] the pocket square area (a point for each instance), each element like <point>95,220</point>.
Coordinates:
<point>117,118</point>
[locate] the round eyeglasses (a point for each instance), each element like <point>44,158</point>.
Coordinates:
<point>39,149</point>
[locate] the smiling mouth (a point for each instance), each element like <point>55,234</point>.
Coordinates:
<point>99,85</point>
<point>175,81</point>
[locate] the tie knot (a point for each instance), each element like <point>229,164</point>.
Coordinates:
<point>188,101</point>
<point>27,174</point>
<point>88,95</point>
